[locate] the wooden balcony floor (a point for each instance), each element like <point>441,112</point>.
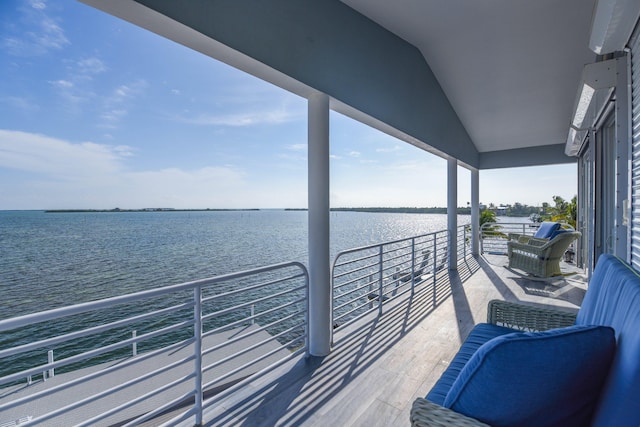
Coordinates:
<point>379,365</point>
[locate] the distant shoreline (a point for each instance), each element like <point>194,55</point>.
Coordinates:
<point>434,210</point>
<point>117,210</point>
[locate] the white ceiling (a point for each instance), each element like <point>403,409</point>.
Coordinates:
<point>510,68</point>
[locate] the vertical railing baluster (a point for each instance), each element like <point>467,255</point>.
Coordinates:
<point>197,332</point>
<point>380,273</point>
<point>413,265</point>
<point>50,359</point>
<point>134,346</point>
<point>435,265</point>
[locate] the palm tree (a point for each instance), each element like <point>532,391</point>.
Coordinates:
<point>564,211</point>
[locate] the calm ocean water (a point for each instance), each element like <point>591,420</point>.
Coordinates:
<point>49,260</point>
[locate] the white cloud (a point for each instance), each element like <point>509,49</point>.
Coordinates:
<point>297,147</point>
<point>36,34</point>
<point>268,117</point>
<point>61,174</point>
<point>90,66</point>
<point>20,103</point>
<point>56,158</point>
<point>389,150</point>
<point>116,106</point>
<point>62,84</point>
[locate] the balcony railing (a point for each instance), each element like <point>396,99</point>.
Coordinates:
<point>192,340</point>
<point>365,278</point>
<point>129,359</point>
<point>494,236</point>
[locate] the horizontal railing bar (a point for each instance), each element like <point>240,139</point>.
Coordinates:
<point>256,316</point>
<point>111,390</point>
<point>359,268</point>
<point>149,415</point>
<point>239,384</point>
<point>351,261</point>
<point>353,300</point>
<point>359,316</point>
<point>246,365</point>
<point>253,332</point>
<point>250,303</point>
<point>16,322</point>
<point>90,331</point>
<point>93,353</point>
<point>356,279</point>
<point>144,397</point>
<point>124,363</point>
<point>361,248</point>
<point>354,290</point>
<point>210,298</point>
<point>373,302</point>
<point>247,349</point>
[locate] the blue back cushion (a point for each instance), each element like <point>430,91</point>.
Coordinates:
<point>480,334</point>
<point>550,378</point>
<point>613,299</point>
<point>558,231</point>
<point>546,229</point>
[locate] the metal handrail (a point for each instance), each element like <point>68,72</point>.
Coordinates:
<point>363,279</point>
<point>241,323</point>
<point>495,235</point>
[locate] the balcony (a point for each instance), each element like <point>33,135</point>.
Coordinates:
<point>379,365</point>
<point>251,359</point>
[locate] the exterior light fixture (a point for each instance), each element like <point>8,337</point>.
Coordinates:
<point>595,77</point>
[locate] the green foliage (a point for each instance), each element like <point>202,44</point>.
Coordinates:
<point>563,211</point>
<point>487,216</point>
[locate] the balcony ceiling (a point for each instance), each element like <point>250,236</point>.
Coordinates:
<point>510,68</point>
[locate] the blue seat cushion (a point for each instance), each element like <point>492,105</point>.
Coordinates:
<point>480,334</point>
<point>546,229</point>
<point>551,378</point>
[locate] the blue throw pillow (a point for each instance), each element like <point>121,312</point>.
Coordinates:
<point>550,378</point>
<point>546,229</point>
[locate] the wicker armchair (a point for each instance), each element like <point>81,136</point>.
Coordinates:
<point>540,257</point>
<point>513,315</point>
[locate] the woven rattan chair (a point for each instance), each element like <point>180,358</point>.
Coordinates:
<point>539,257</point>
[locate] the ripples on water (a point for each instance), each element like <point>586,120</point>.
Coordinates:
<point>49,260</point>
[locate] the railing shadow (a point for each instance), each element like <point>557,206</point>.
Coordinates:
<point>295,393</point>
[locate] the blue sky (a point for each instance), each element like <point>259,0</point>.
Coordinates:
<point>97,113</point>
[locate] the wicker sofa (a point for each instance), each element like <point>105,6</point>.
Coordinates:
<point>581,369</point>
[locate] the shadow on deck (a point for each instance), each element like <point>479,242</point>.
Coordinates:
<point>379,365</point>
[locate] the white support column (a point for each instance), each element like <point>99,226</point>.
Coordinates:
<point>452,211</point>
<point>319,262</point>
<point>475,212</point>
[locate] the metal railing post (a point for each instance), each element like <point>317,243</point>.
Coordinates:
<point>413,265</point>
<point>380,273</point>
<point>464,246</point>
<point>134,346</point>
<point>50,358</point>
<point>197,332</point>
<point>435,265</point>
